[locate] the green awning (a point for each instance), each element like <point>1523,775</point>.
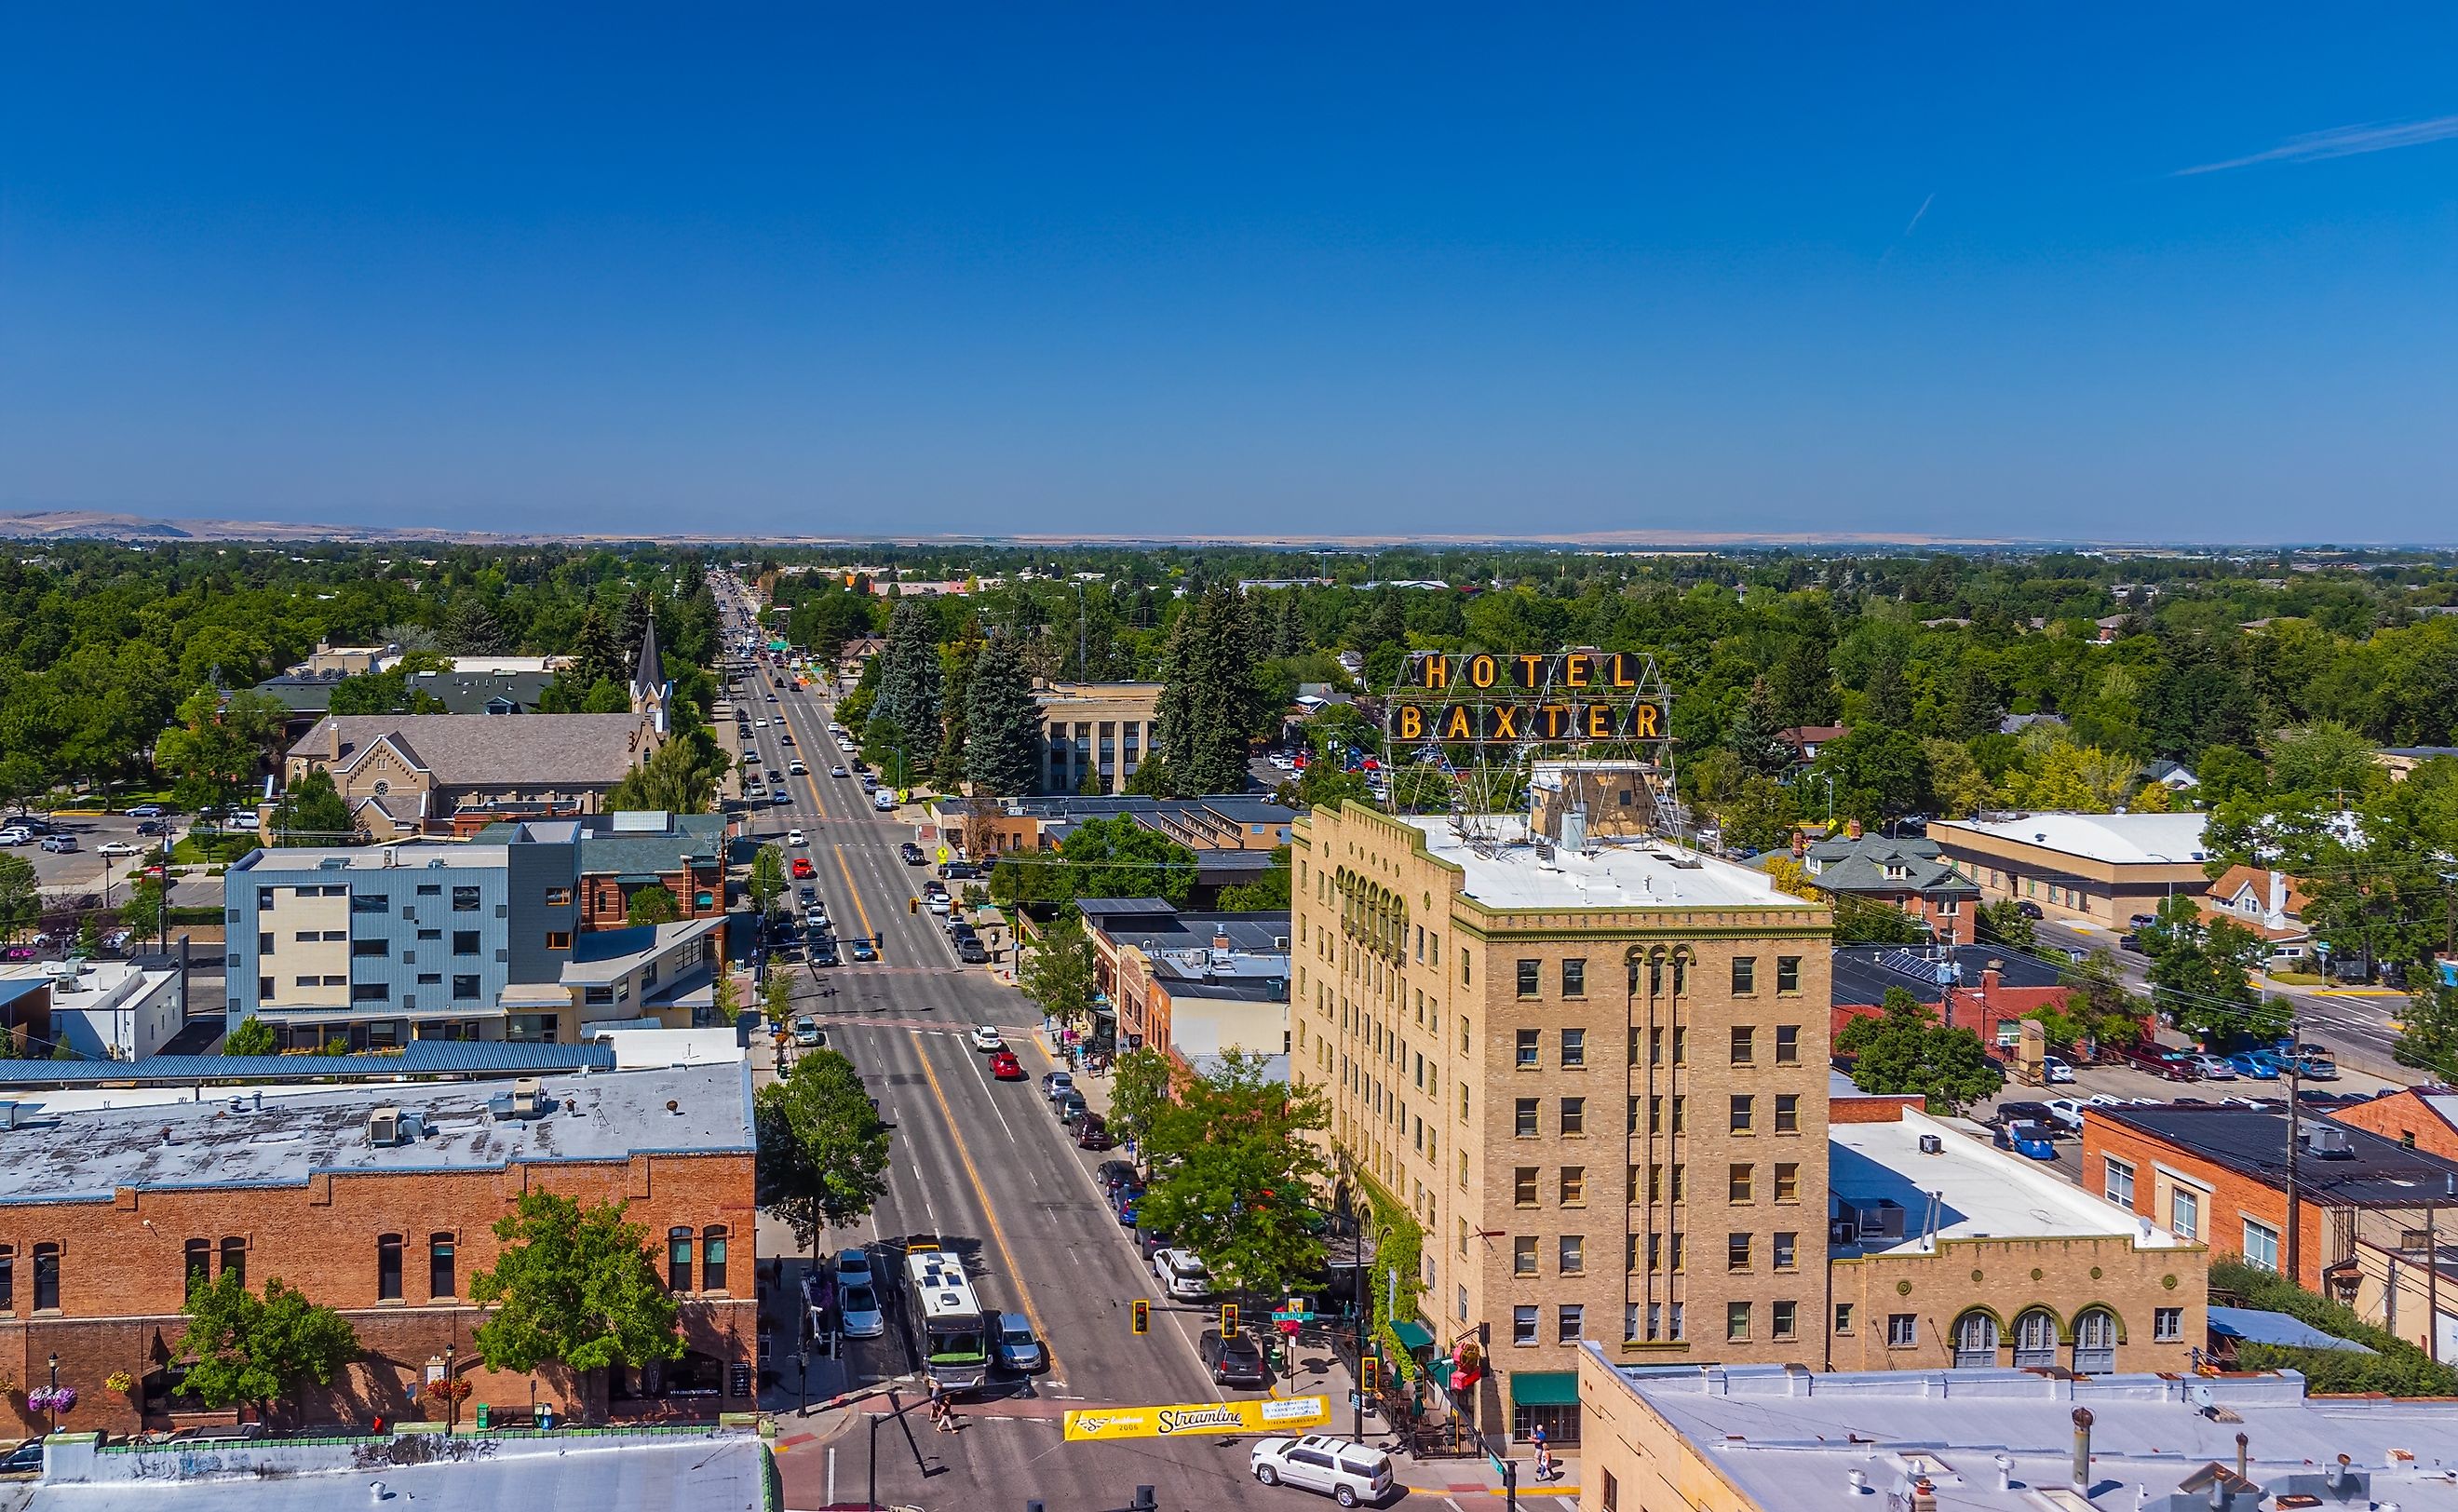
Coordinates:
<point>1413,1336</point>
<point>1543,1388</point>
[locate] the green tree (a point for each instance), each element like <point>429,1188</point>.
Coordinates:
<point>1268,893</point>
<point>911,681</point>
<point>1903,1050</point>
<point>472,631</point>
<point>1752,736</point>
<point>218,744</point>
<point>573,1286</point>
<point>21,897</point>
<point>313,813</point>
<point>2201,975</point>
<point>1059,972</point>
<point>1002,724</point>
<point>823,1160</point>
<point>140,911</point>
<point>653,905</point>
<point>2003,923</point>
<point>1232,1171</point>
<point>680,778</point>
<point>253,1037</point>
<point>1139,1091</point>
<point>2321,759</point>
<point>1759,816</point>
<point>766,881</point>
<point>2428,1036</point>
<point>1211,703</point>
<point>245,1350</point>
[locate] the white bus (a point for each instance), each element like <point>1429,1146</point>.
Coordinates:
<point>951,1336</point>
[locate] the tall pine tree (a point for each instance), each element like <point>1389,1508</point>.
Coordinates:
<point>1212,702</point>
<point>910,680</point>
<point>1002,725</point>
<point>472,631</point>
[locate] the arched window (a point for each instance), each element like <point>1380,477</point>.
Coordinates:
<point>234,1258</point>
<point>200,1262</point>
<point>2035,1340</point>
<point>388,1268</point>
<point>1976,1341</point>
<point>2095,1346</point>
<point>712,1258</point>
<point>678,1258</point>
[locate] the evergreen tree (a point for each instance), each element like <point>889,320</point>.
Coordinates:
<point>1753,735</point>
<point>1212,702</point>
<point>1002,725</point>
<point>473,630</point>
<point>910,680</point>
<point>635,623</point>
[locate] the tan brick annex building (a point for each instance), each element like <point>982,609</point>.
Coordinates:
<point>378,1200</point>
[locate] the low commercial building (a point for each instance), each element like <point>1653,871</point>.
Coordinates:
<point>1945,1253</point>
<point>380,1201</point>
<point>111,1010</point>
<point>2371,1221</point>
<point>660,975</point>
<point>1103,728</point>
<point>1232,835</point>
<point>2095,868</point>
<point>1767,1439</point>
<point>1977,988</point>
<point>1196,984</point>
<point>2422,1118</point>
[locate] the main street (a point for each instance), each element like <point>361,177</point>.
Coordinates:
<point>983,1166</point>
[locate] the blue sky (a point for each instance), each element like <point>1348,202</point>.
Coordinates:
<point>1493,270</point>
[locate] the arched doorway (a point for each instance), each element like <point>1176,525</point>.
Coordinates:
<point>1976,1341</point>
<point>2035,1340</point>
<point>2095,1346</point>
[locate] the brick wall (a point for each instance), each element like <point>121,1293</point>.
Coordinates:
<point>2403,1116</point>
<point>2222,1198</point>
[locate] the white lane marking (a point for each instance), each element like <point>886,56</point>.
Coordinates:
<point>832,1475</point>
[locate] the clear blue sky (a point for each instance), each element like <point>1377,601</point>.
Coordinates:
<point>1496,269</point>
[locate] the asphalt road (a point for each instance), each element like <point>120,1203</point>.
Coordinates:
<point>984,1167</point>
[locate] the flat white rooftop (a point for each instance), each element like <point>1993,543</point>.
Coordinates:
<point>1983,1192</point>
<point>2158,840</point>
<point>1653,874</point>
<point>374,858</point>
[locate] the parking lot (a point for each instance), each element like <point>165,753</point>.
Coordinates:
<point>85,869</point>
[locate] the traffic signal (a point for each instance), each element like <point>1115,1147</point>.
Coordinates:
<point>913,905</point>
<point>1228,1321</point>
<point>1369,1371</point>
<point>1143,1315</point>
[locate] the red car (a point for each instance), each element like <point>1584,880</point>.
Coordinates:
<point>1006,1067</point>
<point>803,869</point>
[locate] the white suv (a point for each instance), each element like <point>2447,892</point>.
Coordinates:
<point>1182,1275</point>
<point>1347,1471</point>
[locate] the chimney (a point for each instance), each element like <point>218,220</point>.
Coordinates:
<point>2240,1443</point>
<point>1924,1495</point>
<point>1852,829</point>
<point>1990,975</point>
<point>1221,938</point>
<point>2005,1464</point>
<point>1800,846</point>
<point>2082,1450</point>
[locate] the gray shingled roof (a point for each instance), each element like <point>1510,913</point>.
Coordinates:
<point>1859,865</point>
<point>475,749</point>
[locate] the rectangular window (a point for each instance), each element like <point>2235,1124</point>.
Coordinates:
<point>1902,1330</point>
<point>1682,1047</point>
<point>264,944</point>
<point>1787,1045</point>
<point>1737,1251</point>
<point>370,903</point>
<point>1844,1317</point>
<point>1528,1049</point>
<point>712,1260</point>
<point>1745,975</point>
<point>1655,1107</point>
<point>1610,1498</point>
<point>558,897</point>
<point>370,947</point>
<point>2260,1245</point>
<point>431,889</point>
<point>559,939</point>
<point>265,988</point>
<point>1574,977</point>
<point>1532,978</point>
<point>2118,1183</point>
<point>1523,1186</point>
<point>1787,1112</point>
<point>1737,1320</point>
<point>1744,1044</point>
<point>464,941</point>
<point>1787,974</point>
<point>1575,1115</point>
<point>678,1259</point>
<point>2167,1324</point>
<point>1738,1179</point>
<point>388,1268</point>
<point>2186,1213</point>
<point>1787,1181</point>
<point>47,1277</point>
<point>465,900</point>
<point>1523,1254</point>
<point>1785,1248</point>
<point>465,988</point>
<point>1575,1048</point>
<point>1523,1325</point>
<point>1744,1114</point>
<point>1574,1186</point>
<point>1523,1118</point>
<point>1573,1256</point>
<point>1570,1322</point>
<point>1630,1252</point>
<point>371,992</point>
<point>1784,1318</point>
<point>440,1280</point>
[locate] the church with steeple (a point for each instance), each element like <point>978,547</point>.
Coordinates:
<point>652,692</point>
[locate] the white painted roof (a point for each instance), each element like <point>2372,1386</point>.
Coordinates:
<point>1656,874</point>
<point>1983,1192</point>
<point>2118,839</point>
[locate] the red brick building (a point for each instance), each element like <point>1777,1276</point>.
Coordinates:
<point>1974,988</point>
<point>378,1200</point>
<point>2422,1118</point>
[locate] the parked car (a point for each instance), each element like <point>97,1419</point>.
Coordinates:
<point>2213,1068</point>
<point>2055,1068</point>
<point>59,844</point>
<point>1237,1361</point>
<point>2025,1137</point>
<point>858,1306</point>
<point>2141,922</point>
<point>1339,1469</point>
<point>1123,1201</point>
<point>2255,1066</point>
<point>2068,1111</point>
<point>152,827</point>
<point>1069,1106</point>
<point>26,1457</point>
<point>148,810</point>
<point>1053,1082</point>
<point>911,854</point>
<point>1093,1132</point>
<point>2174,1065</point>
<point>1017,1349</point>
<point>1112,1174</point>
<point>1182,1275</point>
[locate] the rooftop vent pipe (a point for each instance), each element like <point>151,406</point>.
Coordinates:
<point>2082,1450</point>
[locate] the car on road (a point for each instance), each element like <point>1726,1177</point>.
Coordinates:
<point>1093,1132</point>
<point>795,840</point>
<point>1112,1174</point>
<point>1342,1469</point>
<point>823,952</point>
<point>781,798</point>
<point>2130,941</point>
<point>861,949</point>
<point>784,739</point>
<point>762,723</point>
<point>60,844</point>
<point>26,1457</point>
<point>854,1268</point>
<point>987,1037</point>
<point>2213,1068</point>
<point>806,895</point>
<point>911,854</point>
<point>1068,1106</point>
<point>775,775</point>
<point>1237,1361</point>
<point>883,801</point>
<point>936,902</point>
<point>1053,1082</point>
<point>148,810</point>
<point>806,1032</point>
<point>119,848</point>
<point>838,771</point>
<point>796,768</point>
<point>1017,1349</point>
<point>1123,1202</point>
<point>803,869</point>
<point>972,953</point>
<point>152,827</point>
<point>1005,1067</point>
<point>858,1306</point>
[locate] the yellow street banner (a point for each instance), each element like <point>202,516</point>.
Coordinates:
<point>1264,1415</point>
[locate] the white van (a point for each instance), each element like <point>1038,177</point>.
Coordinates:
<point>1182,1276</point>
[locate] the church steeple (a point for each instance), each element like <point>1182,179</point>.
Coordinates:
<point>650,690</point>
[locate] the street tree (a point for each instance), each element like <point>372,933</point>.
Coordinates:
<point>2003,923</point>
<point>21,897</point>
<point>2428,1036</point>
<point>767,880</point>
<point>823,1149</point>
<point>2201,975</point>
<point>1059,972</point>
<point>1904,1049</point>
<point>1140,1091</point>
<point>653,905</point>
<point>910,681</point>
<point>217,744</point>
<point>253,1037</point>
<point>680,778</point>
<point>252,1351</point>
<point>1234,1172</point>
<point>573,1286</point>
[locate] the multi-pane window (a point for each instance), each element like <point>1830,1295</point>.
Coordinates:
<point>441,1282</point>
<point>2167,1324</point>
<point>465,900</point>
<point>1574,1186</point>
<point>1787,973</point>
<point>1737,1320</point>
<point>1532,978</point>
<point>1523,1186</point>
<point>1570,1323</point>
<point>1745,974</point>
<point>678,1258</point>
<point>1527,1046</point>
<point>2186,1213</point>
<point>234,1258</point>
<point>1787,1045</point>
<point>1654,1105</point>
<point>1571,1254</point>
<point>1902,1330</point>
<point>1737,1251</point>
<point>1575,1115</point>
<point>1744,1044</point>
<point>1744,1112</point>
<point>712,1258</point>
<point>388,1268</point>
<point>1523,1325</point>
<point>1523,1254</point>
<point>1787,1181</point>
<point>1574,977</point>
<point>47,1277</point>
<point>1739,1181</point>
<point>1843,1317</point>
<point>2260,1245</point>
<point>1785,1249</point>
<point>1574,1046</point>
<point>1787,1112</point>
<point>1523,1117</point>
<point>2117,1182</point>
<point>1784,1318</point>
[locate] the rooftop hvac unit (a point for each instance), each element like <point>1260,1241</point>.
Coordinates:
<point>1880,1219</point>
<point>1933,1145</point>
<point>385,1127</point>
<point>2325,1143</point>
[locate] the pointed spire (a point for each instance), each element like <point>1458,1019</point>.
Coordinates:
<point>649,677</point>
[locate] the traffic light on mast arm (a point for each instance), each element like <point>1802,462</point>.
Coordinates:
<point>1143,1315</point>
<point>1369,1371</point>
<point>1228,1321</point>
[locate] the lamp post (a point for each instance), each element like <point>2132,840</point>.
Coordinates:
<point>452,1385</point>
<point>51,1405</point>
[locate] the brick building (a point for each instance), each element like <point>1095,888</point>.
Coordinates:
<point>379,1201</point>
<point>620,855</point>
<point>2422,1118</point>
<point>1229,971</point>
<point>1908,874</point>
<point>1976,987</point>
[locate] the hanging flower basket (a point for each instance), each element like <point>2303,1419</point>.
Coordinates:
<point>446,1389</point>
<point>120,1381</point>
<point>51,1398</point>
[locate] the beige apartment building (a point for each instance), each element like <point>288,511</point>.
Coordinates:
<point>1597,1073</point>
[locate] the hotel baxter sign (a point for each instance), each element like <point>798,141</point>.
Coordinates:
<point>1565,697</point>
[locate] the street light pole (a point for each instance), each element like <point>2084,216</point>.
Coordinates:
<point>452,1403</point>
<point>51,1406</point>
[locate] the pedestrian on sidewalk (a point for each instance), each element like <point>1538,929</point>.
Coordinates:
<point>1544,1454</point>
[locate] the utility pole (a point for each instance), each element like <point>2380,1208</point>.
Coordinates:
<point>2294,1215</point>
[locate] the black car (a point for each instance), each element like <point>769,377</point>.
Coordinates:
<point>823,952</point>
<point>1237,1361</point>
<point>1112,1174</point>
<point>2028,909</point>
<point>807,893</point>
<point>25,1457</point>
<point>911,854</point>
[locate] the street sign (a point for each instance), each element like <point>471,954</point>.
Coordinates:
<point>942,856</point>
<point>1291,1317</point>
<point>1246,1414</point>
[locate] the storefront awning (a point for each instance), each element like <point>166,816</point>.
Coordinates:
<point>1413,1336</point>
<point>1543,1388</point>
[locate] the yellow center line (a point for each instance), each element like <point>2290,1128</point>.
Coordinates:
<point>877,943</point>
<point>998,1235</point>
